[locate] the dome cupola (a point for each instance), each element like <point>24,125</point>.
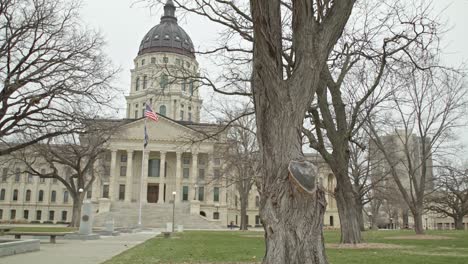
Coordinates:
<point>167,36</point>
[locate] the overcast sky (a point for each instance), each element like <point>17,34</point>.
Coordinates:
<point>124,25</point>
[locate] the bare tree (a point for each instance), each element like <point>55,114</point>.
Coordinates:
<point>451,197</point>
<point>426,106</point>
<point>241,159</point>
<point>53,74</point>
<point>71,159</point>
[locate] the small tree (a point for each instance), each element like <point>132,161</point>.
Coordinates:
<point>426,106</point>
<point>53,73</point>
<point>71,159</point>
<point>451,197</point>
<point>241,159</point>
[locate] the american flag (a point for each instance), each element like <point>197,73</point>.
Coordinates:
<point>150,113</point>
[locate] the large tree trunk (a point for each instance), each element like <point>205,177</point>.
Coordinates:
<point>243,204</point>
<point>405,216</point>
<point>346,203</point>
<point>418,222</point>
<point>359,211</point>
<point>459,222</point>
<point>76,214</point>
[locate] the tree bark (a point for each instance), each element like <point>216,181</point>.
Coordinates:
<point>76,215</point>
<point>359,211</point>
<point>243,204</point>
<point>418,223</point>
<point>459,222</point>
<point>405,219</point>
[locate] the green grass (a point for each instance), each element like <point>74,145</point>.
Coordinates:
<point>225,247</point>
<point>42,229</point>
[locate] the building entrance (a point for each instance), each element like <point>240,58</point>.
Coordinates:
<point>153,193</point>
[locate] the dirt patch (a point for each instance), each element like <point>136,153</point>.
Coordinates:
<point>364,246</point>
<point>260,236</point>
<point>421,237</point>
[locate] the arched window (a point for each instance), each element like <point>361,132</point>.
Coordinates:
<point>2,195</point>
<point>15,195</point>
<point>184,83</point>
<point>202,213</point>
<point>162,110</point>
<point>257,201</point>
<point>65,197</point>
<point>145,82</point>
<point>331,221</point>
<point>41,196</point>
<point>137,84</point>
<point>163,82</point>
<point>53,196</point>
<point>191,87</point>
<point>28,195</point>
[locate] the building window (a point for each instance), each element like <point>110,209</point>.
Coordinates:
<point>189,116</point>
<point>216,194</point>
<point>143,61</point>
<point>64,216</point>
<point>331,221</point>
<point>28,195</point>
<point>51,215</point>
<point>201,193</point>
<point>217,173</point>
<point>162,110</point>
<point>15,195</point>
<point>121,192</point>
<point>185,193</point>
<point>153,60</point>
<point>201,174</point>
<point>216,215</point>
<point>53,196</point>
<point>191,87</point>
<point>184,83</point>
<point>181,115</point>
<point>145,82</point>
<point>153,167</point>
<point>26,214</point>
<point>41,196</point>
<point>177,62</point>
<point>186,173</point>
<point>42,180</point>
<point>54,180</point>
<point>257,220</point>
<point>30,178</point>
<point>1,214</point>
<point>123,171</point>
<point>137,84</point>
<point>163,82</point>
<point>4,174</point>
<point>105,191</point>
<point>17,175</point>
<point>123,158</point>
<point>186,161</point>
<point>38,215</point>
<point>166,59</point>
<point>2,195</point>
<point>65,197</point>
<point>89,194</point>
<point>12,214</point>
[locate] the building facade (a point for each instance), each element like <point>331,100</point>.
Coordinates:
<point>180,163</point>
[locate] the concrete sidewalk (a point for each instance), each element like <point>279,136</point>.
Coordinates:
<point>80,252</point>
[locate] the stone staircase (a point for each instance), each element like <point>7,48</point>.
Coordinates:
<point>155,216</point>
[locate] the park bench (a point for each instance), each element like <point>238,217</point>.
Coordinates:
<point>52,235</point>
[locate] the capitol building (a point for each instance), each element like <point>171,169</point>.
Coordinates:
<point>179,163</point>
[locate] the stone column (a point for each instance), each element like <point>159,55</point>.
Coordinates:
<point>178,177</point>
<point>194,172</point>
<point>144,180</point>
<point>112,176</point>
<point>129,179</point>
<point>162,172</point>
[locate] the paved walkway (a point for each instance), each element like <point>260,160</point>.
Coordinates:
<point>80,252</point>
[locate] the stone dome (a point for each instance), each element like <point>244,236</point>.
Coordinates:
<point>167,36</point>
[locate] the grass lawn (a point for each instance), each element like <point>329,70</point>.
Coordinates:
<point>235,247</point>
<point>42,229</point>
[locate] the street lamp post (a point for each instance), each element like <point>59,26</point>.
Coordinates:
<point>426,224</point>
<point>391,223</point>
<point>173,210</point>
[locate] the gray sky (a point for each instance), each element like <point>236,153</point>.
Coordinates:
<point>124,25</point>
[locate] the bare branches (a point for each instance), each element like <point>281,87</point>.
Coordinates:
<point>53,73</point>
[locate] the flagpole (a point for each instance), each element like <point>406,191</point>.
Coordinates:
<point>142,173</point>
